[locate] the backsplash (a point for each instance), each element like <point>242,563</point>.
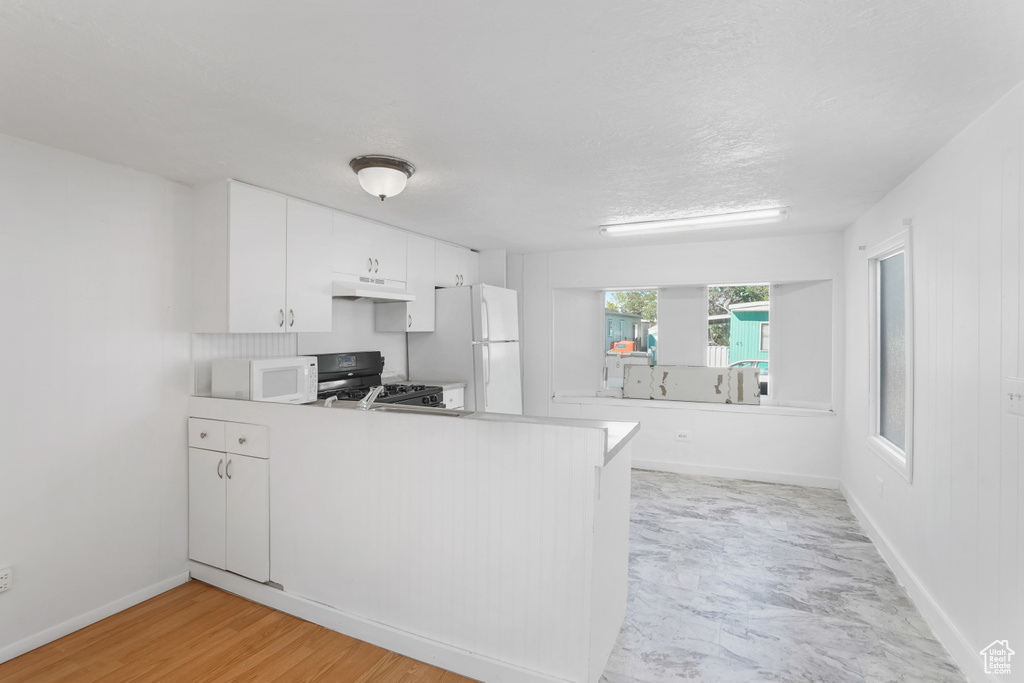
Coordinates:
<point>207,347</point>
<point>353,330</point>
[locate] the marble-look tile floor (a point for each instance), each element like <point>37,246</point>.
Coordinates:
<point>742,581</point>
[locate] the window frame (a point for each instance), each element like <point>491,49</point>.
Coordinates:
<point>902,460</point>
<point>760,333</point>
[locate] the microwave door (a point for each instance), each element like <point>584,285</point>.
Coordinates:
<point>281,384</point>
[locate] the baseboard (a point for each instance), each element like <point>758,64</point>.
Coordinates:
<point>735,473</point>
<point>71,625</point>
<point>464,662</point>
<point>960,649</point>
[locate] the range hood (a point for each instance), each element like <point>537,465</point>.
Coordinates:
<point>371,289</point>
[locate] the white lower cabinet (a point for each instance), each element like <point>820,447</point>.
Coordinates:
<point>229,498</point>
<point>454,398</point>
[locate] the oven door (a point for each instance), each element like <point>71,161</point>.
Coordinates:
<point>284,380</point>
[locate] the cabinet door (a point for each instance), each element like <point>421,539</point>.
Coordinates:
<point>454,399</point>
<point>256,265</point>
<point>421,283</point>
<point>206,504</point>
<point>310,230</point>
<point>418,315</point>
<point>447,265</point>
<point>247,530</point>
<point>469,267</point>
<point>389,253</point>
<point>351,253</point>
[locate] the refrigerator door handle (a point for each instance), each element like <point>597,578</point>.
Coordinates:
<point>484,315</point>
<point>487,372</point>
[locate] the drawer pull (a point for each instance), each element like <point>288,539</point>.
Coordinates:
<point>202,435</point>
<point>241,439</point>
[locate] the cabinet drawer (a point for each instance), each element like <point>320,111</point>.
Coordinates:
<point>455,399</point>
<point>207,434</point>
<point>246,439</point>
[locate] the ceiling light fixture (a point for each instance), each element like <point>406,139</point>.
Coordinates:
<point>721,220</point>
<point>382,176</point>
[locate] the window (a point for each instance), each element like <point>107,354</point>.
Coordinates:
<point>890,430</point>
<point>631,320</point>
<point>597,334</point>
<point>738,328</point>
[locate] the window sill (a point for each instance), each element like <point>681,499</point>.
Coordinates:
<point>787,411</point>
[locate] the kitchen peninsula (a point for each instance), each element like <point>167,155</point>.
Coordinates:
<point>492,545</point>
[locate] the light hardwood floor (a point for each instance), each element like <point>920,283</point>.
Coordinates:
<point>199,633</point>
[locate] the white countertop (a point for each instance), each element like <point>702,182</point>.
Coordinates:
<point>617,433</point>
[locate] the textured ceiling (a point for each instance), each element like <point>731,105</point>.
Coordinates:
<point>530,123</point>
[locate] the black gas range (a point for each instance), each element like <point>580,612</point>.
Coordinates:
<point>350,376</point>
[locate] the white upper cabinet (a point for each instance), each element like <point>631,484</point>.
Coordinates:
<point>455,266</point>
<point>308,272</point>
<point>390,253</point>
<point>364,249</point>
<point>418,315</point>
<point>258,240</point>
<point>252,271</point>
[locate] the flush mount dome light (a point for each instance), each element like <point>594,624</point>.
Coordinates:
<point>382,176</point>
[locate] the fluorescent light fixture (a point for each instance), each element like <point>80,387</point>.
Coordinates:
<point>721,220</point>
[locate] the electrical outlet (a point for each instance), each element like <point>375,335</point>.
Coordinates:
<point>5,579</point>
<point>684,436</point>
<point>1013,395</point>
<point>881,485</point>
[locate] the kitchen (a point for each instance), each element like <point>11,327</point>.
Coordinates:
<point>98,260</point>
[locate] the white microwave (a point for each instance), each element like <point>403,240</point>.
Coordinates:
<point>278,380</point>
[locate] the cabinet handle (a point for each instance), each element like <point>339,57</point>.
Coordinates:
<point>220,463</point>
<point>241,439</point>
<point>281,324</point>
<point>292,314</point>
<point>410,321</point>
<point>227,470</point>
<point>202,435</point>
<point>369,265</point>
<point>376,265</point>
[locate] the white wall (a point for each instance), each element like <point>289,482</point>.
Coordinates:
<point>774,445</point>
<point>956,534</point>
<point>94,286</point>
<point>801,371</point>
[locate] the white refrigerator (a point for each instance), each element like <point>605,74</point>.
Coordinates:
<point>476,341</point>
